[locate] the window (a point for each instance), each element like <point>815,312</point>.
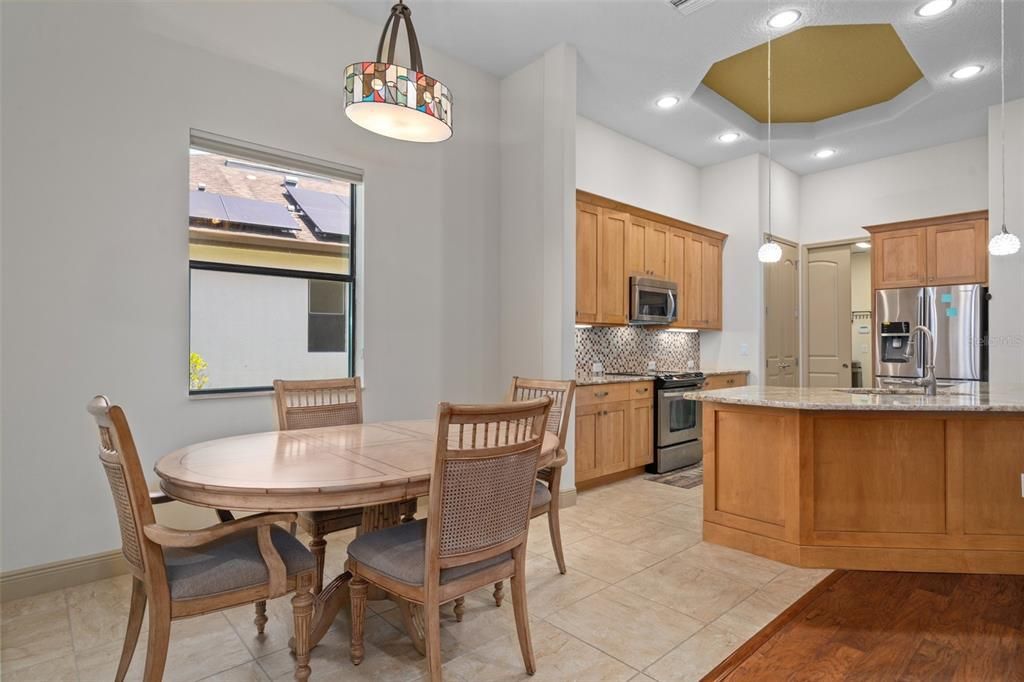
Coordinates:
<point>326,316</point>
<point>272,286</point>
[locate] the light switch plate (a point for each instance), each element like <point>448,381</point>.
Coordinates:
<point>744,350</point>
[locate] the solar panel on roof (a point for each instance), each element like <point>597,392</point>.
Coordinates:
<point>330,213</point>
<point>262,213</point>
<point>206,205</point>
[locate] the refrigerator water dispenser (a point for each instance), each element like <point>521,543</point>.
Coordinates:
<point>895,337</point>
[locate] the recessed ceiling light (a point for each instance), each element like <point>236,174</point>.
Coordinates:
<point>863,245</point>
<point>667,102</point>
<point>786,17</point>
<point>965,72</point>
<point>930,9</point>
<point>728,137</point>
<point>824,153</point>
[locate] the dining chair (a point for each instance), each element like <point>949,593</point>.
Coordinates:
<point>476,527</point>
<point>184,573</point>
<point>546,496</point>
<point>311,404</point>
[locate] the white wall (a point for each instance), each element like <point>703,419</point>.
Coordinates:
<point>538,222</point>
<point>252,329</point>
<point>1006,273</point>
<point>861,299</point>
<point>98,100</point>
<point>615,166</point>
<point>950,178</point>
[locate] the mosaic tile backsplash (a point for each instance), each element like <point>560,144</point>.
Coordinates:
<point>628,349</point>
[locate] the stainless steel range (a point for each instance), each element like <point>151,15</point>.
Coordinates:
<point>677,421</point>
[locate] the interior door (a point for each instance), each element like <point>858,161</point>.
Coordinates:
<point>829,346</point>
<point>782,305</point>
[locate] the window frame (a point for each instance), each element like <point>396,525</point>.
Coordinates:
<point>307,275</point>
<point>310,314</point>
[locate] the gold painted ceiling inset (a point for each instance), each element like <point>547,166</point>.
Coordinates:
<point>817,72</point>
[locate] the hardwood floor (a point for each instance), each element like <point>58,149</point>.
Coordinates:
<point>867,625</point>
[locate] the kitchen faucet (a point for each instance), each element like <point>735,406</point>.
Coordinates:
<point>928,382</point>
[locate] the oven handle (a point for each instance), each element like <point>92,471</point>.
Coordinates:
<point>677,394</point>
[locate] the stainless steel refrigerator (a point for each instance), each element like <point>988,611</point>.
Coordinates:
<point>956,314</point>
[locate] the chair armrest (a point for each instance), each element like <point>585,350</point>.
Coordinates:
<point>173,537</point>
<point>159,497</point>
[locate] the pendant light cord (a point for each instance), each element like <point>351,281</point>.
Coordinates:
<point>1002,106</point>
<point>769,127</point>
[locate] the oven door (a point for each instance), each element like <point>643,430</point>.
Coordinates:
<point>679,418</point>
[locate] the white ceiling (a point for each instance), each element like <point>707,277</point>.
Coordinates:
<point>633,51</point>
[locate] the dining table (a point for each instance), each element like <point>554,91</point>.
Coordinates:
<point>375,466</point>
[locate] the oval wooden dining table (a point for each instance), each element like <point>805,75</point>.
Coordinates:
<point>374,466</point>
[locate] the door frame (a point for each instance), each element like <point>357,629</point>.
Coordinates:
<point>800,309</point>
<point>804,286</point>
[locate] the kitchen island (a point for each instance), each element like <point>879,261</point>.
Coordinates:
<point>820,477</point>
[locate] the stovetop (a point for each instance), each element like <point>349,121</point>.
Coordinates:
<point>669,378</point>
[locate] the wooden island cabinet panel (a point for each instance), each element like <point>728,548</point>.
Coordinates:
<point>870,490</point>
<point>950,249</point>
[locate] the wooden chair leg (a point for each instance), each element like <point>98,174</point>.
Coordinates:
<point>159,636</point>
<point>499,593</point>
<point>553,527</point>
<point>432,635</point>
<point>519,606</point>
<point>261,617</point>
<point>131,635</point>
<point>302,612</point>
<point>318,546</point>
<point>357,602</point>
<point>460,608</point>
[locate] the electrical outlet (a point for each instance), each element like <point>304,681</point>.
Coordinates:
<point>744,350</point>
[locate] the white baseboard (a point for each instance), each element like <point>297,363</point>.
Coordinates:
<point>567,497</point>
<point>28,582</point>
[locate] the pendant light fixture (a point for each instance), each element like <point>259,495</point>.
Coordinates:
<point>401,102</point>
<point>770,252</point>
<point>1005,243</point>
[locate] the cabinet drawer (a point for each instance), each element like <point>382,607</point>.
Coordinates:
<point>643,392</point>
<point>725,381</point>
<point>604,393</point>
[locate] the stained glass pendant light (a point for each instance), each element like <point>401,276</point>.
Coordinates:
<point>401,102</point>
<point>1005,243</point>
<point>770,252</point>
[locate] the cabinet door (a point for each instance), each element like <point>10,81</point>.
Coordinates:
<point>693,291</point>
<point>587,463</point>
<point>711,292</point>
<point>611,271</point>
<point>899,258</point>
<point>641,437</point>
<point>587,228</point>
<point>635,264</point>
<point>612,429</point>
<point>656,250</point>
<point>958,253</point>
<point>677,248</point>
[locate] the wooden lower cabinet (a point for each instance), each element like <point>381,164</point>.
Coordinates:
<point>730,380</point>
<point>614,429</point>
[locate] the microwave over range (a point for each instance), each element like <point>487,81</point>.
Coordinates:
<point>652,301</point>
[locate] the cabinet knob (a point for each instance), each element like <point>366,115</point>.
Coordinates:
<point>600,394</point>
<point>642,390</point>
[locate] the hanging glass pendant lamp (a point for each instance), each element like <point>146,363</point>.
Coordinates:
<point>770,252</point>
<point>398,101</point>
<point>1005,243</point>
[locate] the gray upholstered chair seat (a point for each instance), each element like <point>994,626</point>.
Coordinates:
<point>399,552</point>
<point>232,563</point>
<point>541,495</point>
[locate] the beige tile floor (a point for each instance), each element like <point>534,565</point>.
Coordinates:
<point>644,598</point>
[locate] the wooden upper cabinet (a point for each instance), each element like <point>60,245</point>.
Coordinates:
<point>958,253</point>
<point>899,258</point>
<point>677,272</point>
<point>611,271</point>
<point>711,291</point>
<point>647,250</point>
<point>588,224</point>
<point>930,252</point>
<point>692,312</point>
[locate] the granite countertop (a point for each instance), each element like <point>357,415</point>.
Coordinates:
<point>589,380</point>
<point>962,397</point>
<point>716,372</point>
